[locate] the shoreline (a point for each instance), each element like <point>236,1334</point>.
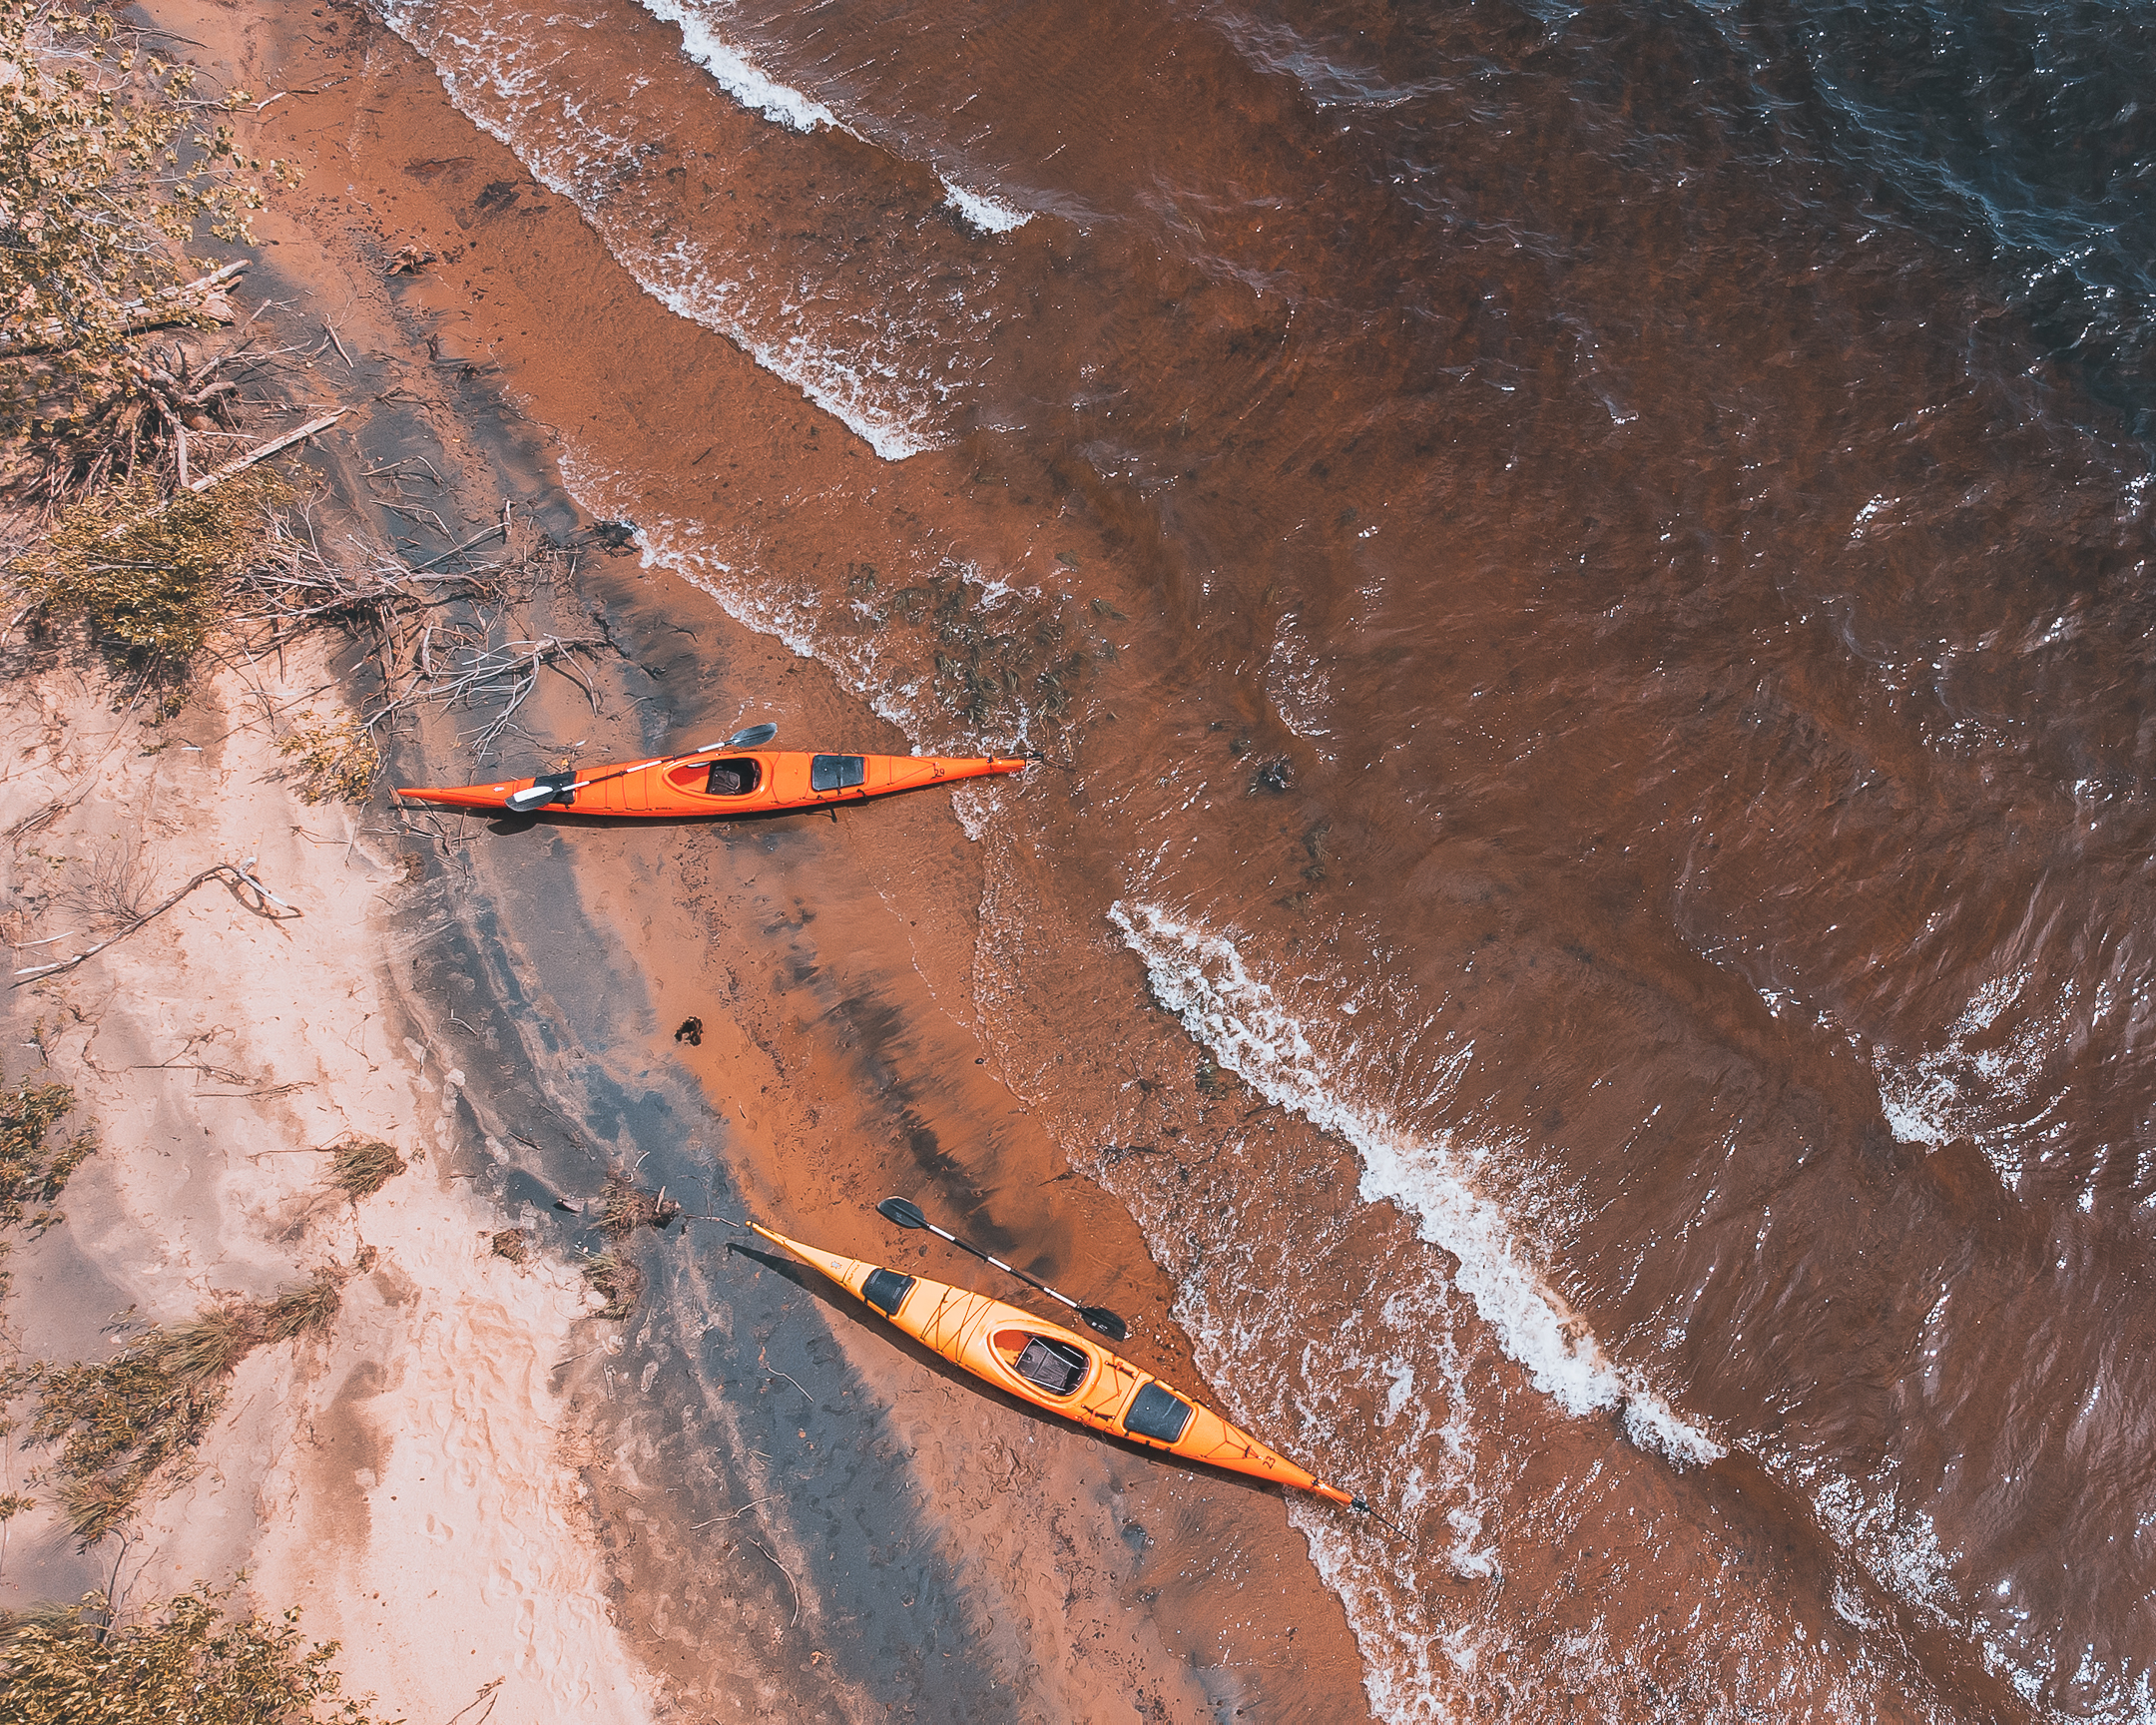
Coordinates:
<point>840,1030</point>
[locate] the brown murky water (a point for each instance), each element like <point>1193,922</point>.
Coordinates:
<point>1591,616</point>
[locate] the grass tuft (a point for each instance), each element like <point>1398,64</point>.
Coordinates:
<point>207,1348</point>
<point>363,1167</point>
<point>513,1244</point>
<point>307,1309</point>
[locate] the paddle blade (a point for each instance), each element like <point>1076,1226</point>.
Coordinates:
<point>903,1212</point>
<point>532,797</point>
<point>753,738</point>
<point>1106,1322</point>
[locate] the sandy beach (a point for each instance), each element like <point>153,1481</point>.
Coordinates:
<point>743,1500</point>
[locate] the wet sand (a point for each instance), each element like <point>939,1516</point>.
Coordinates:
<point>803,1515</point>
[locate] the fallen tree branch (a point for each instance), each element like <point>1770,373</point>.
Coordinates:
<point>219,475</point>
<point>235,871</point>
<point>158,311</point>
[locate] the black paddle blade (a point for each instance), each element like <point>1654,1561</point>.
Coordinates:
<point>1106,1322</point>
<point>753,738</point>
<point>903,1212</point>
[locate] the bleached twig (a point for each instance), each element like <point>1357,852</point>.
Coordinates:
<point>237,871</point>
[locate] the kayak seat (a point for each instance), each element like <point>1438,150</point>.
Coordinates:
<point>732,778</point>
<point>886,1290</point>
<point>837,771</point>
<point>1158,1414</point>
<point>1056,1366</point>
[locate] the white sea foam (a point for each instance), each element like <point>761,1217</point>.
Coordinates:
<point>857,371</point>
<point>1985,1082</point>
<point>983,213</point>
<point>741,77</point>
<point>1237,1016</point>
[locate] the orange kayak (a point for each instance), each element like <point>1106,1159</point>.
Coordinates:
<point>1056,1368</point>
<point>720,783</point>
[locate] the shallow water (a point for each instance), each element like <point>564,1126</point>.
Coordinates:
<point>1589,569</point>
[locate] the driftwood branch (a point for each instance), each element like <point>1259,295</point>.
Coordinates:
<point>158,311</point>
<point>217,476</point>
<point>233,872</point>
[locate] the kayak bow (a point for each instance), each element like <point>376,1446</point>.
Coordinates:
<point>1056,1368</point>
<point>719,784</point>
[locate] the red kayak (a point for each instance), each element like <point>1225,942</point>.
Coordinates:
<point>717,780</point>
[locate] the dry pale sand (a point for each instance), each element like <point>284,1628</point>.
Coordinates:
<point>405,1482</point>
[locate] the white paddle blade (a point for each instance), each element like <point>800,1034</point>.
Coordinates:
<point>753,738</point>
<point>532,797</point>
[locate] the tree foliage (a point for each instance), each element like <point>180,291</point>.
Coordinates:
<point>193,1663</point>
<point>151,578</point>
<point>109,164</point>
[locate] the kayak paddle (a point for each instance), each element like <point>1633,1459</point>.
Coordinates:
<point>538,796</point>
<point>908,1214</point>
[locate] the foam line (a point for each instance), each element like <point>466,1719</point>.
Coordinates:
<point>983,213</point>
<point>741,77</point>
<point>1202,977</point>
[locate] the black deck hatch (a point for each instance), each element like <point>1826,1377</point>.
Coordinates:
<point>837,772</point>
<point>1158,1414</point>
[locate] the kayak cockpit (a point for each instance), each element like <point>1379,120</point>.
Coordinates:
<point>1054,1368</point>
<point>734,776</point>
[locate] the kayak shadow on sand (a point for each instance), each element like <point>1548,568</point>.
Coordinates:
<point>510,826</point>
<point>856,1315</point>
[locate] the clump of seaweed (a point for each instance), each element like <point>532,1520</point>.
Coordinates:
<point>618,1280</point>
<point>626,1207</point>
<point>511,1242</point>
<point>75,1665</point>
<point>362,1167</point>
<point>333,760</point>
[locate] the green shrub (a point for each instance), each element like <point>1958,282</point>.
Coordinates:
<point>333,760</point>
<point>191,1664</point>
<point>116,1423</point>
<point>152,579</point>
<point>29,1171</point>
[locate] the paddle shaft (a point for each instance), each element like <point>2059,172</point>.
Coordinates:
<point>624,772</point>
<point>1007,1269</point>
<point>734,742</point>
